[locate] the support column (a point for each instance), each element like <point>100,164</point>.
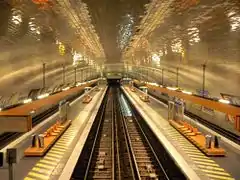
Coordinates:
<point>44,80</point>
<point>63,71</point>
<point>81,75</point>
<point>162,76</point>
<point>75,75</point>
<point>177,77</point>
<point>203,83</point>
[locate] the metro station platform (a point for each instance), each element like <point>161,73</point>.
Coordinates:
<point>60,160</point>
<point>21,116</point>
<point>50,166</point>
<point>189,158</point>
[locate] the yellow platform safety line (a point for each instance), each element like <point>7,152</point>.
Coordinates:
<point>53,155</point>
<point>64,140</point>
<point>211,168</point>
<point>51,159</point>
<point>195,153</point>
<point>68,137</point>
<point>60,146</point>
<point>64,143</point>
<point>39,176</point>
<point>181,140</point>
<point>192,148</point>
<point>44,161</point>
<point>56,152</point>
<point>50,167</point>
<point>186,150</point>
<point>197,156</point>
<point>72,130</point>
<point>28,178</point>
<point>173,133</point>
<point>41,170</point>
<point>173,136</point>
<point>202,159</point>
<point>185,144</point>
<point>216,177</point>
<point>216,172</point>
<point>206,163</point>
<point>58,149</point>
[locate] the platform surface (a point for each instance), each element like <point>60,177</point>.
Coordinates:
<point>191,159</point>
<point>51,164</point>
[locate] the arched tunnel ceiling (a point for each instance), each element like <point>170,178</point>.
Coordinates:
<point>108,17</point>
<point>188,34</point>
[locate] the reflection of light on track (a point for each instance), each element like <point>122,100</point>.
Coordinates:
<point>208,166</point>
<point>125,107</point>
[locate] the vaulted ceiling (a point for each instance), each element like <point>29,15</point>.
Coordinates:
<point>206,31</point>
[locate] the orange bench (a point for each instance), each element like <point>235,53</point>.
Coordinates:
<point>87,99</point>
<point>50,137</point>
<point>195,137</point>
<point>144,98</point>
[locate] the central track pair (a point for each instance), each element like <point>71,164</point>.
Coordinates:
<point>117,147</point>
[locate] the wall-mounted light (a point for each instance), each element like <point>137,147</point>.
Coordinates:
<point>43,96</point>
<point>172,88</point>
<point>187,92</point>
<point>225,101</point>
<point>25,101</point>
<point>66,88</point>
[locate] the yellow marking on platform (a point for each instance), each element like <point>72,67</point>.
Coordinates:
<point>203,159</point>
<point>191,149</point>
<point>56,152</point>
<point>216,172</point>
<point>207,164</point>
<point>174,136</point>
<point>195,153</point>
<point>211,168</point>
<point>45,166</point>
<point>53,155</point>
<point>60,146</point>
<point>196,156</point>
<point>180,140</point>
<point>71,133</point>
<point>40,176</point>
<point>44,161</point>
<point>64,140</point>
<point>186,145</point>
<point>219,177</point>
<point>58,149</point>
<point>169,131</point>
<point>28,178</point>
<point>67,137</point>
<point>51,158</point>
<point>41,170</point>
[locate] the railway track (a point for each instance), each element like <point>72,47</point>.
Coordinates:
<point>120,149</point>
<point>8,137</point>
